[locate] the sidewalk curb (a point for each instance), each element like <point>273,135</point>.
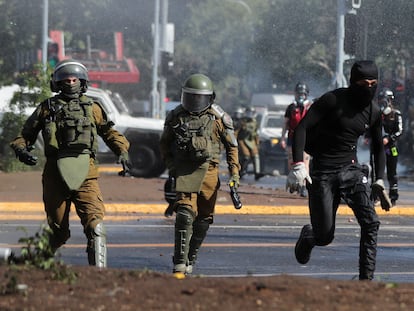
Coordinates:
<point>158,208</point>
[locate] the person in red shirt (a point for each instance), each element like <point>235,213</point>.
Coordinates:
<point>293,114</point>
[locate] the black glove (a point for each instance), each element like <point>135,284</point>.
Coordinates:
<point>126,165</point>
<point>24,156</point>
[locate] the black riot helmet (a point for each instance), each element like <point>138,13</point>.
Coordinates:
<point>69,68</point>
<point>197,93</point>
<point>301,92</point>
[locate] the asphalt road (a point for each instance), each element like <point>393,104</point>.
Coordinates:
<point>239,245</point>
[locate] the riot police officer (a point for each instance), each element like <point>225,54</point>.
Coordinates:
<point>393,127</point>
<point>70,123</point>
<point>248,140</point>
<point>190,146</point>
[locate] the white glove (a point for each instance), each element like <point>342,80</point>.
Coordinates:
<point>378,191</point>
<point>297,176</point>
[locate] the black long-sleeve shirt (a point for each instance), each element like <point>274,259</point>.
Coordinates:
<point>331,128</point>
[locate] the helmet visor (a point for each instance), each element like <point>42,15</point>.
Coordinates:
<point>70,69</point>
<point>195,103</point>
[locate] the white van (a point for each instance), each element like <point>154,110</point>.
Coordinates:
<point>272,101</point>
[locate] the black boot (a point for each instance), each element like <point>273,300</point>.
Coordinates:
<point>200,229</point>
<point>304,245</point>
<point>368,251</point>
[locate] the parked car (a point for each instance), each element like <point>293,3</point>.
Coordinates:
<point>273,158</point>
<point>143,133</point>
<point>272,101</point>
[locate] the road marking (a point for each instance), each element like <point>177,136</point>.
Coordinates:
<point>139,225</point>
<point>158,208</point>
<point>219,245</point>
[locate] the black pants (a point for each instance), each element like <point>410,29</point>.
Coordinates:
<point>391,163</point>
<point>351,184</point>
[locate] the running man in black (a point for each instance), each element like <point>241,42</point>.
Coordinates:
<point>329,133</point>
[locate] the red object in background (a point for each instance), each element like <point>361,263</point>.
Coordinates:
<point>102,67</point>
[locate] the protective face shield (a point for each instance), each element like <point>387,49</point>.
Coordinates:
<point>197,93</point>
<point>69,69</point>
<point>238,113</point>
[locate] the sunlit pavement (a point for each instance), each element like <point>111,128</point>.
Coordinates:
<point>255,240</point>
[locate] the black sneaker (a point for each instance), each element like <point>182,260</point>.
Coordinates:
<point>304,245</point>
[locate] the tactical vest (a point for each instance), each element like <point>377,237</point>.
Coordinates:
<point>70,127</point>
<point>194,138</point>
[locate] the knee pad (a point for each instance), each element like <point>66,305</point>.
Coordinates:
<point>95,228</point>
<point>184,217</point>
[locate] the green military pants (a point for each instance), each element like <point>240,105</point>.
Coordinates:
<point>202,203</point>
<point>57,200</point>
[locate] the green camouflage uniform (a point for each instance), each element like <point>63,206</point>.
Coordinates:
<point>191,148</point>
<point>70,173</point>
<point>248,141</point>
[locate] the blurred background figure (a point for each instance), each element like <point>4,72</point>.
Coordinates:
<point>237,117</point>
<point>248,141</point>
<point>392,129</point>
<point>293,114</point>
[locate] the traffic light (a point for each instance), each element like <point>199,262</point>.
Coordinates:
<point>351,33</point>
<point>167,62</point>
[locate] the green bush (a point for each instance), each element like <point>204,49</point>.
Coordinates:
<point>35,90</point>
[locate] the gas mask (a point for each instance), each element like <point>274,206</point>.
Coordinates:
<point>301,99</point>
<point>385,107</point>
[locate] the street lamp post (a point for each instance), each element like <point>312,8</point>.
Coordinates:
<point>155,96</point>
<point>44,32</point>
<point>340,80</point>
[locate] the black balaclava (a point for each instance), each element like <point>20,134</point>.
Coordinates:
<point>361,70</point>
<point>70,91</point>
